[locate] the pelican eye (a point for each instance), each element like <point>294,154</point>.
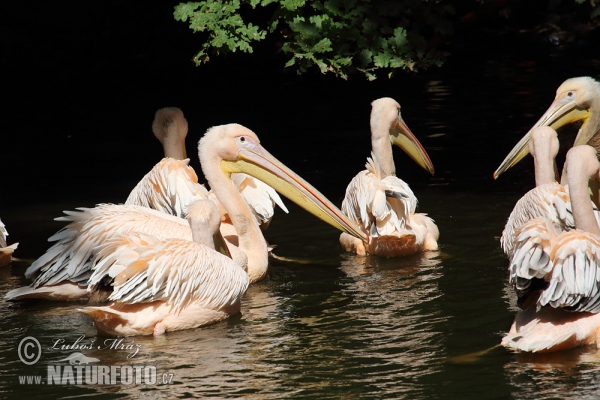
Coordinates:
<point>570,94</point>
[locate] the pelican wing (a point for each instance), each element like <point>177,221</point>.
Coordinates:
<point>550,201</point>
<point>169,187</point>
<point>143,269</point>
<point>380,206</point>
<point>71,257</point>
<point>531,259</point>
<point>261,197</point>
<point>575,280</point>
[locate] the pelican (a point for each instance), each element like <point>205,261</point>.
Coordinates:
<point>577,99</point>
<point>5,250</point>
<point>63,271</point>
<point>382,204</point>
<point>548,199</point>
<point>564,313</point>
<point>172,184</point>
<point>232,148</point>
<point>160,286</point>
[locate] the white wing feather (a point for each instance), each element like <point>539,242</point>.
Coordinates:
<point>169,187</point>
<point>71,257</point>
<point>575,280</point>
<point>366,201</point>
<point>145,269</point>
<point>261,197</point>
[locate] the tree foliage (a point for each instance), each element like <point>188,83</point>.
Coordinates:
<point>372,37</point>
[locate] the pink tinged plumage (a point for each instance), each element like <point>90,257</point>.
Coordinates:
<point>71,258</point>
<point>6,251</point>
<point>169,187</point>
<point>381,203</point>
<point>260,197</point>
<point>550,201</point>
<point>166,285</point>
<point>566,313</point>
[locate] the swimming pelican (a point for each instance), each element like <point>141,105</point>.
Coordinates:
<point>233,148</point>
<point>564,311</point>
<point>63,271</point>
<point>548,199</point>
<point>159,286</point>
<point>5,250</point>
<point>382,204</point>
<point>577,99</point>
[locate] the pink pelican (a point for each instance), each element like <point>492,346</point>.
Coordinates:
<point>562,310</point>
<point>65,268</point>
<point>382,204</point>
<point>159,286</point>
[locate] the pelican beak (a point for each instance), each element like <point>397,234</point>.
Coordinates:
<point>257,162</point>
<point>562,112</point>
<point>405,139</point>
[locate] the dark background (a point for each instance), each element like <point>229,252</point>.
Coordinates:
<point>81,82</point>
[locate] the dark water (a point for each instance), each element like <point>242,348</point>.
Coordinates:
<point>324,324</point>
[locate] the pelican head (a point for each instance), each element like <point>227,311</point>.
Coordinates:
<point>575,100</point>
<point>386,117</point>
<point>170,127</point>
<point>238,150</point>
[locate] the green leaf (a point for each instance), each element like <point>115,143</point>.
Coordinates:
<point>323,46</point>
<point>382,60</point>
<point>183,11</point>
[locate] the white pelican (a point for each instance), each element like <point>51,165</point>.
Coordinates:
<point>548,199</point>
<point>565,313</point>
<point>63,271</point>
<point>159,286</point>
<point>576,99</point>
<point>233,148</point>
<point>5,250</point>
<point>382,204</point>
<point>172,184</point>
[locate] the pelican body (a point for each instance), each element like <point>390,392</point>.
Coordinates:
<point>557,273</point>
<point>172,184</point>
<point>5,250</point>
<point>382,204</point>
<point>162,285</point>
<point>63,272</point>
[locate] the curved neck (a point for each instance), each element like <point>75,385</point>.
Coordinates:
<point>382,149</point>
<point>581,204</point>
<point>591,126</point>
<point>173,145</point>
<point>543,147</point>
<point>587,135</point>
<point>251,240</point>
<point>544,170</point>
<point>203,235</point>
